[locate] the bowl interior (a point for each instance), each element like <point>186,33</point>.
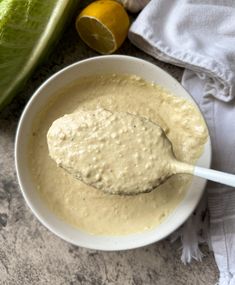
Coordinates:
<point>101,65</point>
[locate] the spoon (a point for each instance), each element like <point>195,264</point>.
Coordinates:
<point>119,153</point>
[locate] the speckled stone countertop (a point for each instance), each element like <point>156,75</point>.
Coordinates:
<point>30,254</point>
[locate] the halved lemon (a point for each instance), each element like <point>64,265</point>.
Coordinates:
<point>103,25</point>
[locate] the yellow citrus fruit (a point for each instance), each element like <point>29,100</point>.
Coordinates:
<point>103,25</point>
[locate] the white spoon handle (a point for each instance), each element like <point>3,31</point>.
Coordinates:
<point>214,175</point>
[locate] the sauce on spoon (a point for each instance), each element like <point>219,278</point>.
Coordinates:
<point>117,152</point>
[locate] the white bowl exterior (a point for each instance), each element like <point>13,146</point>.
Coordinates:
<point>101,65</point>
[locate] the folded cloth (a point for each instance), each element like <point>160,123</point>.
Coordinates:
<point>200,36</point>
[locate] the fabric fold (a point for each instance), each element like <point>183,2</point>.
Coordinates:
<point>184,33</point>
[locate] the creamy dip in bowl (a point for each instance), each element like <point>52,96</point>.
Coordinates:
<point>78,213</point>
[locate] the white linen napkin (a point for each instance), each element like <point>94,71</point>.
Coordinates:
<point>200,36</point>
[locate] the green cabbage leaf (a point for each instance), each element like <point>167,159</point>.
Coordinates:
<point>28,30</point>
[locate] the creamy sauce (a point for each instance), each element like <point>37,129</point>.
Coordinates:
<point>116,152</point>
<point>88,208</point>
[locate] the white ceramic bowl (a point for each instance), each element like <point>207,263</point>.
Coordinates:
<point>100,65</point>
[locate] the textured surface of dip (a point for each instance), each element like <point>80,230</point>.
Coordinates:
<point>115,152</point>
<point>88,208</point>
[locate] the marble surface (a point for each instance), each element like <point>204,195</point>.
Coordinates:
<point>30,254</point>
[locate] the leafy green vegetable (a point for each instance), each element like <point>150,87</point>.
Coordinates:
<point>28,28</point>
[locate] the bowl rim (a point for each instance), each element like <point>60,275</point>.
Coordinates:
<point>19,130</point>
